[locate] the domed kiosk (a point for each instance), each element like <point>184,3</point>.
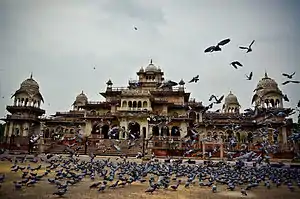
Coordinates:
<point>267,94</point>
<point>231,104</point>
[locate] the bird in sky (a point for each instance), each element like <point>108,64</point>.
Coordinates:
<point>249,48</point>
<point>235,64</point>
<point>289,76</point>
<point>250,76</point>
<point>290,81</point>
<point>217,47</point>
<point>194,79</point>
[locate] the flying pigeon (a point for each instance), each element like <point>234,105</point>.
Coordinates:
<point>250,76</point>
<point>195,79</point>
<point>290,81</point>
<point>249,48</point>
<point>235,64</point>
<point>289,76</point>
<point>217,47</point>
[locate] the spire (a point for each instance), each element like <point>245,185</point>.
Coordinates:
<point>266,74</point>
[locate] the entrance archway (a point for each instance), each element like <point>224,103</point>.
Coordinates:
<point>164,131</point>
<point>96,128</point>
<point>104,131</point>
<point>155,131</point>
<point>134,129</point>
<point>175,131</point>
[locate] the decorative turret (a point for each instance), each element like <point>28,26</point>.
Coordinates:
<point>109,85</point>
<point>181,85</point>
<point>151,76</point>
<point>231,104</point>
<point>25,111</point>
<point>267,94</point>
<point>81,100</point>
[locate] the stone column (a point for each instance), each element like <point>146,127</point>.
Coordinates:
<point>221,150</point>
<point>203,149</point>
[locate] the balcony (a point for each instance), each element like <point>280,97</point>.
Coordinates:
<point>135,109</point>
<point>22,117</point>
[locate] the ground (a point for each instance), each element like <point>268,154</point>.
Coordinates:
<point>43,190</point>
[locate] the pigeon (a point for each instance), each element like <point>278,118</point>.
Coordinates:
<point>168,84</point>
<point>235,64</point>
<point>289,76</point>
<point>290,81</point>
<point>217,101</point>
<point>195,79</point>
<point>250,76</point>
<point>217,47</point>
<point>249,48</point>
<point>285,98</point>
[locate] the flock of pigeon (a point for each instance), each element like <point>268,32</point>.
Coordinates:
<point>106,175</point>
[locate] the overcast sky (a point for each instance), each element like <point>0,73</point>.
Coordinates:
<point>61,42</point>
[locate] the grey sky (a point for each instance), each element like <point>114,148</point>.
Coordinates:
<point>61,42</point>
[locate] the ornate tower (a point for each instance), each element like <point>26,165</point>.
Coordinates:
<point>80,101</point>
<point>23,119</point>
<point>267,94</point>
<point>231,104</point>
<point>151,77</point>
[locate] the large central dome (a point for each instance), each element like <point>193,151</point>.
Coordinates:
<point>151,67</point>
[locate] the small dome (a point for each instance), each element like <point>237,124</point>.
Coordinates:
<point>181,82</point>
<point>29,83</point>
<point>141,70</point>
<point>151,67</point>
<point>109,83</point>
<point>81,97</point>
<point>231,99</point>
<point>267,83</point>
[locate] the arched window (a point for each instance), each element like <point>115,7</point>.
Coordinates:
<point>139,104</point>
<point>155,131</point>
<point>134,104</point>
<point>130,104</point>
<point>145,104</point>
<point>124,103</point>
<point>175,131</point>
<point>164,131</point>
<point>193,115</point>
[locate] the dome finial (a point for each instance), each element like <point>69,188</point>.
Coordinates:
<point>82,92</point>
<point>150,61</point>
<point>230,92</point>
<point>31,75</point>
<point>266,74</point>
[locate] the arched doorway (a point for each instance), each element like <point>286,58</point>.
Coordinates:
<point>250,137</point>
<point>175,131</point>
<point>155,131</point>
<point>164,131</point>
<point>238,136</point>
<point>229,134</point>
<point>96,128</point>
<point>115,134</point>
<point>193,115</point>
<point>134,129</point>
<point>104,131</point>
